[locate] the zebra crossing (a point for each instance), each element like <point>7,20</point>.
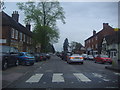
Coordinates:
<point>59,77</point>
<point>81,77</point>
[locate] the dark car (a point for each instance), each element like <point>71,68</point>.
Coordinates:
<point>26,58</point>
<point>37,56</point>
<point>43,56</point>
<point>65,55</point>
<point>8,56</point>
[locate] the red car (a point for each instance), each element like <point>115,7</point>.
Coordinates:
<point>103,59</point>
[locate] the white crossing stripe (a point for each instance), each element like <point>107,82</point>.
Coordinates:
<point>81,77</point>
<point>117,73</point>
<point>97,75</point>
<point>100,76</point>
<point>35,78</point>
<point>57,77</point>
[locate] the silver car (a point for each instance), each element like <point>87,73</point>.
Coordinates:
<point>75,58</point>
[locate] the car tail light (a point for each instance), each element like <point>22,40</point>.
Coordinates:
<point>81,57</point>
<point>71,57</point>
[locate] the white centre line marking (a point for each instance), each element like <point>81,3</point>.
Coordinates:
<point>81,77</point>
<point>57,77</point>
<point>35,78</point>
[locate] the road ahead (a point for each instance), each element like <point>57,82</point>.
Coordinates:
<point>56,73</point>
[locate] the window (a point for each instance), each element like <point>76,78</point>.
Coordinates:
<point>20,36</point>
<point>3,40</point>
<point>89,41</point>
<point>16,34</point>
<point>27,39</point>
<point>30,40</point>
<point>24,37</point>
<point>96,37</point>
<point>96,46</point>
<point>12,33</point>
<point>21,54</point>
<point>92,47</point>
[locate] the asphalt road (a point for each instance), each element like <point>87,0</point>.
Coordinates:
<point>56,73</point>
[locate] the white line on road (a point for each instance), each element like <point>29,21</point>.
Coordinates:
<point>100,76</point>
<point>81,77</point>
<point>97,75</point>
<point>35,78</point>
<point>57,77</point>
<point>117,73</point>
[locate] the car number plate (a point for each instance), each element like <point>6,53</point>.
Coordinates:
<point>77,58</point>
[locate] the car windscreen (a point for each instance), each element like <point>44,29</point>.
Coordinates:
<point>104,56</point>
<point>28,54</point>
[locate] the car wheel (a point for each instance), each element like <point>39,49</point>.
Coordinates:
<point>81,62</point>
<point>32,64</point>
<point>95,61</point>
<point>110,63</point>
<point>68,62</point>
<point>5,65</point>
<point>23,63</point>
<point>17,63</point>
<point>102,62</point>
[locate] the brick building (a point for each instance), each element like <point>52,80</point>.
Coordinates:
<point>14,34</point>
<point>111,45</point>
<point>93,44</point>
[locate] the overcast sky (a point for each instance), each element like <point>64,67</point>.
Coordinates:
<point>81,19</point>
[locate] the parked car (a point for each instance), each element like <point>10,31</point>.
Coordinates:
<point>26,58</point>
<point>37,56</point>
<point>57,54</point>
<point>90,57</point>
<point>8,56</point>
<point>65,55</point>
<point>103,59</point>
<point>43,56</point>
<point>84,56</point>
<point>48,56</point>
<point>75,58</point>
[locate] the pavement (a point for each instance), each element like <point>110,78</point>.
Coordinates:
<point>115,68</point>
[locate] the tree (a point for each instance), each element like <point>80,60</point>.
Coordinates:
<point>50,48</point>
<point>2,6</point>
<point>75,46</point>
<point>44,15</point>
<point>45,35</point>
<point>65,45</point>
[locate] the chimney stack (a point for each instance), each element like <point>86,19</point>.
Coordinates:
<point>28,26</point>
<point>15,15</point>
<point>105,25</point>
<point>94,32</point>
